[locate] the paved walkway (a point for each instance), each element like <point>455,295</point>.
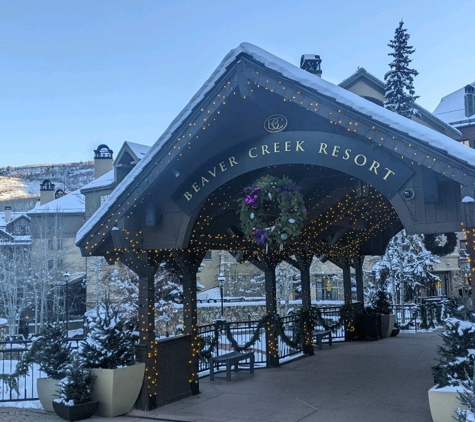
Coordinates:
<point>363,381</point>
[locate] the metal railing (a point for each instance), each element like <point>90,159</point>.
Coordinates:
<point>10,353</point>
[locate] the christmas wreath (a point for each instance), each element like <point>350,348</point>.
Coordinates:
<point>272,210</point>
<point>440,244</point>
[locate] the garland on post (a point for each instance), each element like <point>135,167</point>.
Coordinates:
<point>272,210</point>
<point>440,244</point>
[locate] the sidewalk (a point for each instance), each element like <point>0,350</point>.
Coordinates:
<point>362,381</point>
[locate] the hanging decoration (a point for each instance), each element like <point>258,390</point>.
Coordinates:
<point>440,244</point>
<point>272,211</point>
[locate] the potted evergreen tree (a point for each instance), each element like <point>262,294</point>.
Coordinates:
<point>51,352</point>
<point>75,393</point>
<point>455,367</point>
<point>109,350</point>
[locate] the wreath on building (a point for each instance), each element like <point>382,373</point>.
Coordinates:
<point>440,244</point>
<point>272,210</point>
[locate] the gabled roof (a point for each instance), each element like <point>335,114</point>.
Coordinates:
<point>14,216</point>
<point>377,124</point>
<point>451,109</point>
<point>362,74</point>
<point>102,182</point>
<point>72,203</point>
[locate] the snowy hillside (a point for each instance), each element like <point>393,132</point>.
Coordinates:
<point>21,185</point>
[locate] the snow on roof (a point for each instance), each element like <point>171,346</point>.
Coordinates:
<point>103,181</point>
<point>451,108</point>
<point>73,202</point>
<point>13,216</point>
<point>290,71</point>
<point>138,149</point>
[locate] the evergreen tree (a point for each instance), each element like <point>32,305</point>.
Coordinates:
<point>457,353</point>
<point>404,269</point>
<point>399,89</point>
<point>108,344</point>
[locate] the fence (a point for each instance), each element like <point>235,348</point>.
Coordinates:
<point>10,353</point>
<point>221,337</point>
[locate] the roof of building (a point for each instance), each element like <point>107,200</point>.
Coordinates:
<point>73,203</point>
<point>437,120</point>
<point>348,100</point>
<point>451,109</point>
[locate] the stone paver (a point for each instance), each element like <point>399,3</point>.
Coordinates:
<point>365,381</point>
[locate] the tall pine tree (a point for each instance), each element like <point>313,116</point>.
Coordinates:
<point>399,89</point>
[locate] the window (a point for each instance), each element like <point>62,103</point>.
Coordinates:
<point>103,198</point>
<point>208,256</point>
<point>50,264</point>
<point>60,244</point>
<point>50,244</point>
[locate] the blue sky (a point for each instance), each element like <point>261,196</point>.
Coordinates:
<point>76,74</point>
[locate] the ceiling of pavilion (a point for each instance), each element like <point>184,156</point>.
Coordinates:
<point>227,113</point>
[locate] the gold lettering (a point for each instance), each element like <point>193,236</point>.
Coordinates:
<point>374,167</point>
<point>213,172</point>
<point>388,173</point>
<point>323,148</point>
<point>356,160</point>
<point>204,180</point>
<point>188,196</point>
<point>347,154</point>
<point>276,147</point>
<point>298,147</point>
<point>222,166</point>
<point>250,152</point>
<point>232,161</point>
<point>265,149</point>
<point>195,187</point>
<point>336,150</point>
<point>287,146</point>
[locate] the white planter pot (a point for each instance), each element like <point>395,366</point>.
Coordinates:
<point>117,389</point>
<point>443,402</point>
<point>387,324</point>
<point>47,391</point>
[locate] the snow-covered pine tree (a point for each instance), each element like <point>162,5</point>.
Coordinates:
<point>404,268</point>
<point>457,353</point>
<point>108,344</point>
<point>399,88</point>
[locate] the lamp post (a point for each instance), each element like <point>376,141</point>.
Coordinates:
<point>221,280</point>
<point>66,302</point>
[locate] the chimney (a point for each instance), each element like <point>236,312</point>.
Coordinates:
<point>46,192</point>
<point>103,160</point>
<point>311,63</point>
<point>469,100</point>
<point>8,213</point>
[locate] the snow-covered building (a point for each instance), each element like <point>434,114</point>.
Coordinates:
<point>458,110</point>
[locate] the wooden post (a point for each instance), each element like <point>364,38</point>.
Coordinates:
<point>187,263</point>
<point>358,265</point>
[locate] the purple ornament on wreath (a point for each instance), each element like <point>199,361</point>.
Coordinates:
<point>260,235</point>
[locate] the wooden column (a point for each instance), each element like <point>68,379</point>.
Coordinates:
<point>268,263</point>
<point>303,261</point>
<point>358,266</point>
<point>187,263</point>
<point>145,267</point>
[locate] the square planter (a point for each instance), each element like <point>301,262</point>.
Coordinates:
<point>47,391</point>
<point>117,389</point>
<point>76,412</point>
<point>387,324</point>
<point>443,402</point>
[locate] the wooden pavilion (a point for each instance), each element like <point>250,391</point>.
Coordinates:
<point>364,172</point>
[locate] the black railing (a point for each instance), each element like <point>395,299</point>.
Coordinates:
<point>215,341</point>
<point>10,353</point>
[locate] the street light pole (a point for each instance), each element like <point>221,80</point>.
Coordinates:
<point>221,280</point>
<point>66,302</point>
